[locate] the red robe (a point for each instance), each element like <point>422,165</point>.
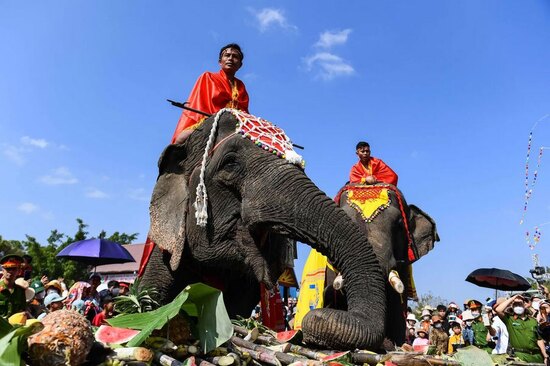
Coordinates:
<point>212,92</point>
<point>376,168</point>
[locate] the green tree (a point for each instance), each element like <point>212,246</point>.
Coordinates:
<point>428,299</point>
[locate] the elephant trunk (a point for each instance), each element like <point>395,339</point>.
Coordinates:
<point>308,215</point>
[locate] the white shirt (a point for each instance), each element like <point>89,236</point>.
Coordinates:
<point>502,334</point>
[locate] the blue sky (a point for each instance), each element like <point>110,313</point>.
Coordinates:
<point>446,92</point>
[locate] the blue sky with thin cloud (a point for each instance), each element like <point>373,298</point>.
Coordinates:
<point>446,93</point>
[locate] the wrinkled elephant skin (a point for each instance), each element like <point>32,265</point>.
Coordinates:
<point>257,204</point>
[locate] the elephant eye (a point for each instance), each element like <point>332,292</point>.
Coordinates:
<point>230,163</point>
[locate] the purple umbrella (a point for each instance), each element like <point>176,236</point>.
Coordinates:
<point>96,252</point>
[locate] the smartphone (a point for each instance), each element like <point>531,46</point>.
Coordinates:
<point>486,320</point>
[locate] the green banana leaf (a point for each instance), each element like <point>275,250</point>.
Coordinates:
<point>13,341</point>
<point>197,300</point>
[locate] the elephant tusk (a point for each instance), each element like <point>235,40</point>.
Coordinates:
<point>396,282</point>
<point>338,283</point>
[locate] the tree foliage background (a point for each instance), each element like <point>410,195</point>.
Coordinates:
<point>44,260</point>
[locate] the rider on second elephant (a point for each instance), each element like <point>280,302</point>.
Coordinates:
<point>369,169</point>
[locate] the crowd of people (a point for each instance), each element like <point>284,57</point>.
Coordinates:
<point>518,325</point>
<point>22,297</point>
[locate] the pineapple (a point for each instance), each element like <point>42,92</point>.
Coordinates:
<point>138,300</point>
<point>65,340</point>
<point>178,330</point>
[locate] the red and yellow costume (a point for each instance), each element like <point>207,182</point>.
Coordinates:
<point>377,168</point>
<point>212,92</point>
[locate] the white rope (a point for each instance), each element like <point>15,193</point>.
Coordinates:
<point>201,202</point>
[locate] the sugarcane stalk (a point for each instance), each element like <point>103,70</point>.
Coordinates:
<point>221,360</point>
<point>165,360</point>
<point>309,353</point>
<point>412,359</point>
<point>369,358</point>
<point>263,339</point>
<point>263,357</point>
<point>279,354</point>
<point>201,362</point>
<point>132,354</point>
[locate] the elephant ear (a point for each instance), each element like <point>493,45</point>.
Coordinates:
<point>423,230</point>
<point>168,209</point>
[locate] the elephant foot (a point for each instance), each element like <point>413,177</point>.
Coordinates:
<point>396,282</point>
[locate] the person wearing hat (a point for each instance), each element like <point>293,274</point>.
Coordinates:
<point>53,287</point>
<point>426,320</point>
<point>480,328</point>
<point>526,342</point>
<point>412,325</point>
<point>455,340</point>
<point>53,302</point>
<point>467,331</point>
<point>124,288</point>
<point>452,312</point>
<point>36,306</point>
<point>421,338</point>
<point>12,296</point>
<point>438,336</point>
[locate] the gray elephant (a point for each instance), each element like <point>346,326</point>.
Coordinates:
<point>256,203</point>
<point>399,234</point>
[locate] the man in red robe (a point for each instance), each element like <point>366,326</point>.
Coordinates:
<point>214,91</point>
<point>370,170</point>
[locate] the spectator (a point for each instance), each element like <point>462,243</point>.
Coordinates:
<point>124,288</point>
<point>26,268</point>
<point>112,290</point>
<point>410,336</point>
<point>425,322</point>
<point>12,296</point>
<point>421,338</point>
<point>467,331</point>
<point>53,302</point>
<point>544,321</point>
<point>526,342</point>
<point>106,313</point>
<point>500,336</point>
<point>95,281</point>
<point>455,340</point>
<point>452,312</point>
<point>480,327</point>
<point>53,287</point>
<point>412,326</point>
<point>442,312</point>
<point>438,336</point>
<point>36,306</point>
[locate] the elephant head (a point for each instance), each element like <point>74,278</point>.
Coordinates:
<point>256,202</point>
<point>388,231</point>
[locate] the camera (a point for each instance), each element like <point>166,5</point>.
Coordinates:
<point>537,273</point>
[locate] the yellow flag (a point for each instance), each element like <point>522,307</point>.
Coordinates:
<point>311,287</point>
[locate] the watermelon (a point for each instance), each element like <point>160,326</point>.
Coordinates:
<point>339,357</point>
<point>291,336</point>
<point>113,335</point>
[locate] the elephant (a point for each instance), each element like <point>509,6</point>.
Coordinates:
<point>388,227</point>
<point>256,203</point>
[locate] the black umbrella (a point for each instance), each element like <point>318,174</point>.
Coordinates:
<point>498,279</point>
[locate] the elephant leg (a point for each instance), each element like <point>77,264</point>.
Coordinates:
<point>241,295</point>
